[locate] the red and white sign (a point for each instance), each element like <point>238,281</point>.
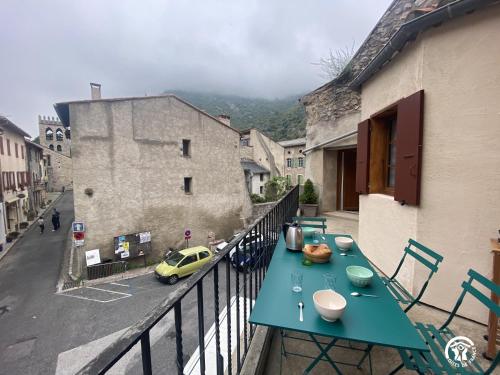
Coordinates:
<point>78,233</point>
<point>187,234</point>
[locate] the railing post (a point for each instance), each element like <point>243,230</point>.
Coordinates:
<point>146,354</point>
<point>178,337</point>
<point>201,326</point>
<point>228,314</point>
<point>219,358</point>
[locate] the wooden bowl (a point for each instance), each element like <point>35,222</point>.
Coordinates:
<point>317,253</point>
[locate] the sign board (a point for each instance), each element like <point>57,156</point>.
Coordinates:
<point>187,234</point>
<point>92,257</point>
<point>79,238</point>
<point>133,245</point>
<point>78,226</point>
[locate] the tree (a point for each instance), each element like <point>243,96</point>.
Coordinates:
<point>332,65</point>
<point>309,196</point>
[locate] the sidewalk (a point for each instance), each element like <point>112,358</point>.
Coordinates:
<point>54,198</point>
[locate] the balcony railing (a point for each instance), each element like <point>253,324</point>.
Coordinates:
<point>244,283</point>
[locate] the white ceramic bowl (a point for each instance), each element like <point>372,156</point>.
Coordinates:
<point>329,304</point>
<point>343,243</point>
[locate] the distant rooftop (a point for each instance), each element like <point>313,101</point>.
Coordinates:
<point>252,166</point>
<point>5,122</point>
<point>293,142</point>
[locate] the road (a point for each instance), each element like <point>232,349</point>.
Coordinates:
<point>41,331</point>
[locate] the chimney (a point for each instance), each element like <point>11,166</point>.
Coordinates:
<point>226,119</point>
<point>95,91</point>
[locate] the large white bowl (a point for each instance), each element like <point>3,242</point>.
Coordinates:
<point>343,243</point>
<point>329,304</point>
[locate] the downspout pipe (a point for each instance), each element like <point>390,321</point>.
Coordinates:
<point>329,141</point>
<point>409,31</point>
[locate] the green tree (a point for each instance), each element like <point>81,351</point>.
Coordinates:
<point>309,196</point>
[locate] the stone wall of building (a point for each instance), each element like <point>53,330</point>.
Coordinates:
<point>129,172</point>
<point>53,135</point>
<point>59,171</point>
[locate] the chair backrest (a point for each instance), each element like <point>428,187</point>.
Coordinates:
<point>312,222</point>
<point>415,250</point>
<point>481,297</point>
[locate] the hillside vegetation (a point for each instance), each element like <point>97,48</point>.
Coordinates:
<point>281,119</point>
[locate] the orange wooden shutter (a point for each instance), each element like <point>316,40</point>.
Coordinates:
<point>363,157</point>
<point>409,131</point>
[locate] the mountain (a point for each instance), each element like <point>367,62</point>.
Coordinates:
<point>280,119</point>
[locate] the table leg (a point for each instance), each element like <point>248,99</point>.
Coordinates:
<point>491,350</point>
<point>323,353</point>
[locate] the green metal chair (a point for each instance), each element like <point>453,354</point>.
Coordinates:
<point>437,339</point>
<point>311,222</point>
<point>432,262</point>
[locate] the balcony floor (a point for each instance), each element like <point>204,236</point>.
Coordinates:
<point>383,359</point>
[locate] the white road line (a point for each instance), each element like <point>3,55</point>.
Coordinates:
<point>120,284</point>
<point>91,299</point>
<point>109,291</point>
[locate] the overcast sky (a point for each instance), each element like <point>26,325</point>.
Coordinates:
<point>51,49</point>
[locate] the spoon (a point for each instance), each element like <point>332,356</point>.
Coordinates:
<point>356,294</point>
<point>347,255</point>
<point>301,306</point>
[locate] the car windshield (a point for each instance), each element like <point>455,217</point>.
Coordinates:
<point>174,258</point>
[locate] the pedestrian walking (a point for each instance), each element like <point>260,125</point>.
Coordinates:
<point>58,218</point>
<point>54,222</point>
<point>41,224</point>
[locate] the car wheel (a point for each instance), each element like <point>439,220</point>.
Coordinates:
<point>173,279</point>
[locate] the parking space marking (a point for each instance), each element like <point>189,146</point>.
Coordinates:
<point>109,291</point>
<point>92,299</point>
<point>120,284</point>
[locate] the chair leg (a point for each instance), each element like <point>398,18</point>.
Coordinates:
<point>396,369</point>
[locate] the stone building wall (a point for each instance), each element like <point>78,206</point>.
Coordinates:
<point>129,172</point>
<point>59,171</point>
<point>48,122</point>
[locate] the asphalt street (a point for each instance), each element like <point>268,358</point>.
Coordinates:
<point>39,328</point>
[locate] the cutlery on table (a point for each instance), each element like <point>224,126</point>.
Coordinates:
<point>356,294</point>
<point>301,306</point>
<point>347,255</point>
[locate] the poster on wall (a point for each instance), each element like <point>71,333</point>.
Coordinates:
<point>92,257</point>
<point>133,245</point>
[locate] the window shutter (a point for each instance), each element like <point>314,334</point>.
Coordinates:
<point>362,157</point>
<point>409,131</point>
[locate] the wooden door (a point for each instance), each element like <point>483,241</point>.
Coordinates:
<point>347,197</point>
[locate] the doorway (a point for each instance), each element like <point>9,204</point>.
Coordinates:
<point>347,198</point>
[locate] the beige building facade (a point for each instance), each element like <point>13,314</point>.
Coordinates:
<point>294,160</point>
<point>37,183</point>
<point>154,164</point>
<point>439,182</point>
<point>14,179</point>
<point>59,171</point>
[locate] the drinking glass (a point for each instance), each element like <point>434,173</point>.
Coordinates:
<point>297,281</point>
<point>330,281</point>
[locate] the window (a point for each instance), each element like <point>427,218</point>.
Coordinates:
<point>289,179</point>
<point>49,134</point>
<point>389,151</point>
<point>48,162</point>
<point>22,152</point>
<point>289,162</point>
<point>300,151</point>
<point>188,185</point>
<point>262,176</point>
<point>245,142</point>
<point>1,145</point>
<point>59,148</point>
<point>59,134</point>
<point>203,254</point>
<point>16,150</point>
<point>51,147</point>
<point>289,152</point>
<point>188,260</point>
<point>301,162</point>
<point>186,147</point>
<point>300,179</point>
<point>8,147</point>
<point>261,190</point>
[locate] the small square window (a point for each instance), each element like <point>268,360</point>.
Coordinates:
<point>188,182</point>
<point>186,147</point>
<point>261,190</point>
<point>262,176</point>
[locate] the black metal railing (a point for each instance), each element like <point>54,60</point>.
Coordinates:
<point>253,251</point>
<point>106,269</point>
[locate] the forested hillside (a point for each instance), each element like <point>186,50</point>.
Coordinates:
<point>280,119</point>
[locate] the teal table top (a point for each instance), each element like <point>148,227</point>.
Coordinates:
<point>379,321</point>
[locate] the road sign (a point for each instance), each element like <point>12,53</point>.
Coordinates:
<point>187,234</point>
<point>78,226</point>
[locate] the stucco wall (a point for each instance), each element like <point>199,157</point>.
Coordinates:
<point>128,153</point>
<point>266,152</point>
<point>457,66</point>
<point>257,183</point>
<point>294,152</point>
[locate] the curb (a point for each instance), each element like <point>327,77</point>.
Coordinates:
<point>5,252</point>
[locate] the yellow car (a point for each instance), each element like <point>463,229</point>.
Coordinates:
<point>182,263</point>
